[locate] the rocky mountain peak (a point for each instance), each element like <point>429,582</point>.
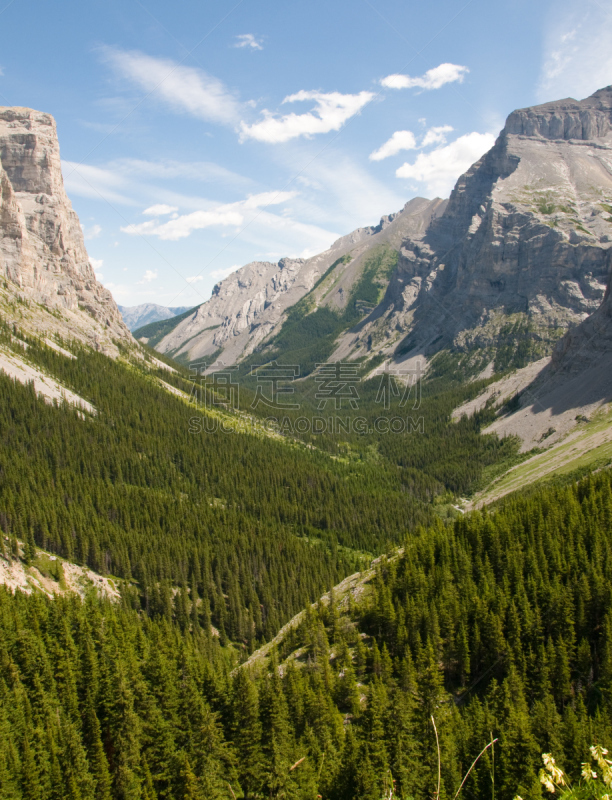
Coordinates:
<point>521,245</point>
<point>565,119</point>
<point>42,251</point>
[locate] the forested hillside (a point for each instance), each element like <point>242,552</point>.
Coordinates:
<point>498,626</point>
<point>255,526</point>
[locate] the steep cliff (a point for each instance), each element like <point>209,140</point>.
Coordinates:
<point>42,253</point>
<point>520,253</point>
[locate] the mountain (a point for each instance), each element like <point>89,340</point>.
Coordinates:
<point>564,394</point>
<point>230,667</point>
<point>43,259</point>
<point>249,306</point>
<point>520,253</point>
<point>146,313</point>
<point>495,276</point>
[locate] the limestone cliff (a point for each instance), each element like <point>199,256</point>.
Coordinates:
<point>42,252</point>
<point>521,249</point>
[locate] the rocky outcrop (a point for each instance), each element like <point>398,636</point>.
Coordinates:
<point>565,119</point>
<point>243,310</point>
<point>523,242</point>
<point>42,252</point>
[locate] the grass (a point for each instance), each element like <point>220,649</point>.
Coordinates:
<point>577,454</point>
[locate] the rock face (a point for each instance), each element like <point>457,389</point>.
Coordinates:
<point>521,249</point>
<point>248,307</point>
<point>42,252</point>
<point>568,389</point>
<point>242,310</point>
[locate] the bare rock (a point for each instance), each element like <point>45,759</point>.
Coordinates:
<point>42,251</point>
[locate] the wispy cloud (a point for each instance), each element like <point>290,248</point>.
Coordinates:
<point>97,182</point>
<point>205,171</point>
<point>433,79</point>
<point>577,58</point>
<point>330,112</point>
<point>195,279</point>
<point>150,275</point>
<point>248,40</point>
<point>91,233</point>
<point>440,168</point>
<point>185,89</point>
<point>401,140</point>
<point>160,210</point>
<point>227,215</point>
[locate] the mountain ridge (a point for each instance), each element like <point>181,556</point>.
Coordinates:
<point>496,275</point>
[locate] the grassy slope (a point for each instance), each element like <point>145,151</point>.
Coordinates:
<point>587,448</point>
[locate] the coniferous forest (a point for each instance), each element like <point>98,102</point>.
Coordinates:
<point>338,524</point>
<point>496,625</point>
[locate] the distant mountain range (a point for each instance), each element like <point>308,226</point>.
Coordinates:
<point>137,316</point>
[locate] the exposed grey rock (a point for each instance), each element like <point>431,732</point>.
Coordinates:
<point>521,245</point>
<point>42,251</point>
<point>524,238</point>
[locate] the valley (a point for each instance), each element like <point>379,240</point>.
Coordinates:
<point>253,549</point>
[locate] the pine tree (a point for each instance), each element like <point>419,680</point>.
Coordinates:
<point>246,734</point>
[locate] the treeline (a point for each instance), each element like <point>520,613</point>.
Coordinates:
<point>499,626</point>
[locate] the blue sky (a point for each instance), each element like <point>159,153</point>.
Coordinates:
<point>197,137</point>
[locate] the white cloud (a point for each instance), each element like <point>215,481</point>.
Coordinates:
<point>248,40</point>
<point>401,140</point>
<point>231,214</point>
<point>440,168</point>
<point>195,279</point>
<point>186,89</point>
<point>406,140</point>
<point>161,209</point>
<point>436,135</point>
<point>432,79</point>
<point>330,112</point>
<point>91,233</point>
<point>150,275</point>
<point>577,58</point>
<point>265,199</point>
